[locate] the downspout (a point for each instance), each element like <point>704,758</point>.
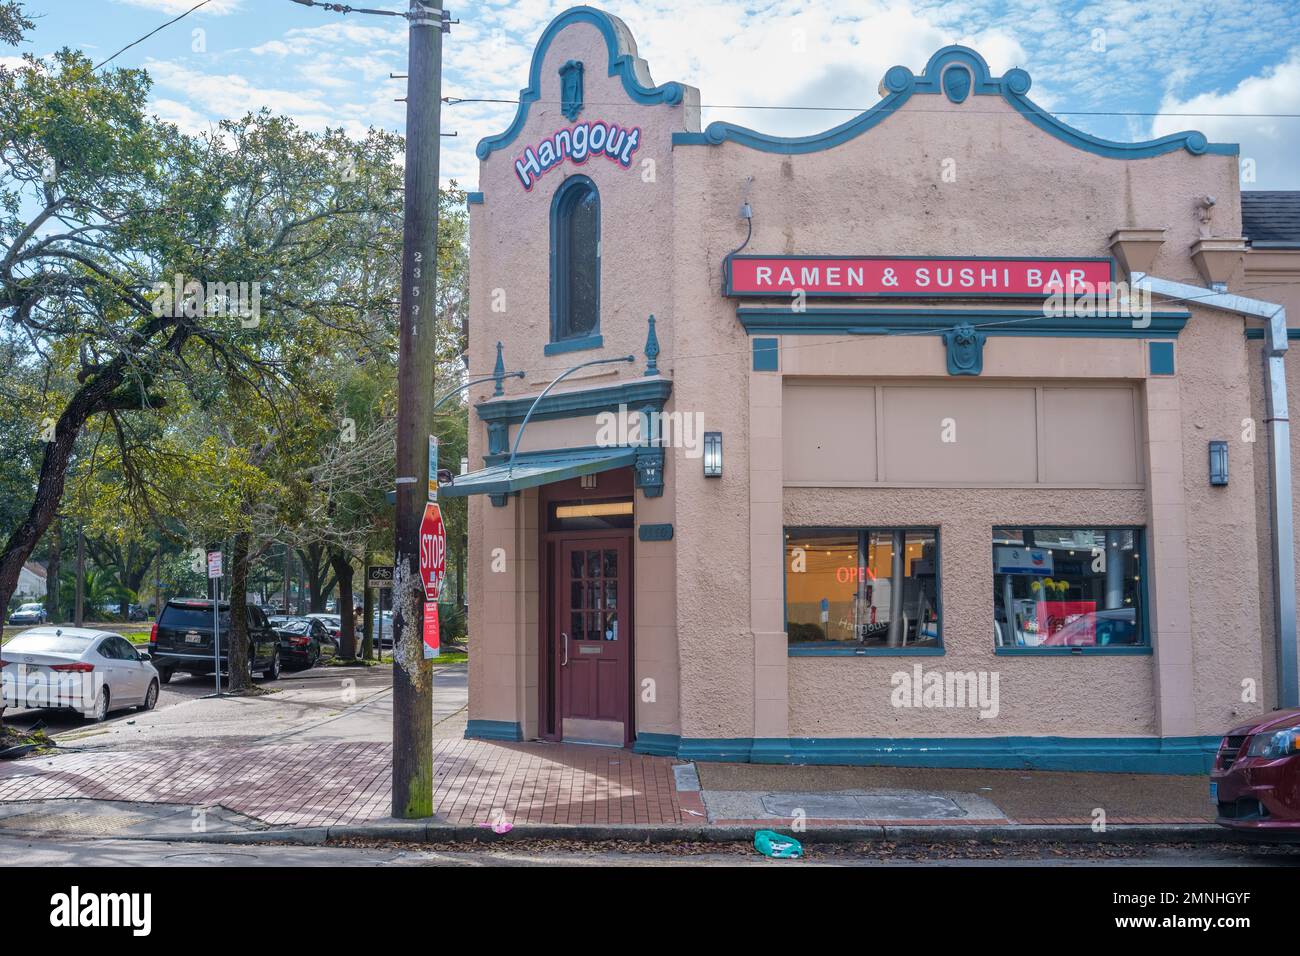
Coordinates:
<point>1281,504</point>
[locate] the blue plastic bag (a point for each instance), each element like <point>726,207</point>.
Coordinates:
<point>777,845</point>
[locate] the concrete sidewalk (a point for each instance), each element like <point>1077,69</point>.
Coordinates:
<point>344,787</point>
<point>314,758</point>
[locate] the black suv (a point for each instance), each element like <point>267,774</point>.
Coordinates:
<point>182,639</point>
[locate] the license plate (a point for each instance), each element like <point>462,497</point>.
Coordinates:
<point>1214,793</point>
<point>192,638</point>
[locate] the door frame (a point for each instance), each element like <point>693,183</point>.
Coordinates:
<point>612,486</point>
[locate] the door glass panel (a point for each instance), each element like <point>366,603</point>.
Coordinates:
<point>611,626</point>
<point>593,564</point>
<point>575,594</point>
<point>575,626</point>
<point>576,563</point>
<point>611,595</point>
<point>611,564</point>
<point>593,595</point>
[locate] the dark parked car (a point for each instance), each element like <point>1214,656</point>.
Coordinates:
<point>181,640</point>
<point>1256,778</point>
<point>300,639</point>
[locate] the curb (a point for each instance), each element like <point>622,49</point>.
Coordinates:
<point>423,832</point>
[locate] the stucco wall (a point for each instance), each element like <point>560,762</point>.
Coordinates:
<point>706,599</point>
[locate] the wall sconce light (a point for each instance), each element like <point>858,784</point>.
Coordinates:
<point>713,454</point>
<point>1218,462</point>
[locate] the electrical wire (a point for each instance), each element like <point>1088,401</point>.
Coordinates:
<point>458,100</point>
<point>203,3</point>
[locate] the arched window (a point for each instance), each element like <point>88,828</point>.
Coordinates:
<point>575,266</point>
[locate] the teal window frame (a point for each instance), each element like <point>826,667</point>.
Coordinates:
<point>1143,618</point>
<point>562,203</point>
<point>856,649</point>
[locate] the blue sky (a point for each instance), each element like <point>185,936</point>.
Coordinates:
<point>1168,56</point>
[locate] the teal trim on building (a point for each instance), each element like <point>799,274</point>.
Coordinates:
<point>635,394</point>
<point>767,355</point>
<point>1261,333</point>
<point>623,63</point>
<point>900,84</point>
<point>853,650</point>
<point>538,468</point>
<point>1119,650</point>
<point>474,199</point>
<point>1162,357</point>
<point>493,730</point>
<point>871,320</point>
<point>574,345</point>
<point>658,745</point>
<point>1163,755</point>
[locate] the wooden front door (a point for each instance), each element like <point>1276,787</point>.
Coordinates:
<point>593,659</point>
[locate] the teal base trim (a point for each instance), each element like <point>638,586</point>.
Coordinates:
<point>1121,651</point>
<point>852,650</point>
<point>657,745</point>
<point>493,730</point>
<point>1158,755</point>
<point>573,345</point>
<point>474,199</point>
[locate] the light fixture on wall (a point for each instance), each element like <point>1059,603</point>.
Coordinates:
<point>713,454</point>
<point>1218,462</point>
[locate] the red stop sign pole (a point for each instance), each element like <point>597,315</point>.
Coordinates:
<point>433,551</point>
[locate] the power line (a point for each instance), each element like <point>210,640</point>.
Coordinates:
<point>457,101</point>
<point>202,3</point>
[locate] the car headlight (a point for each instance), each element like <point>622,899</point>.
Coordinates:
<point>1277,743</point>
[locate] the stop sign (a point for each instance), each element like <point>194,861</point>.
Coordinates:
<point>433,551</point>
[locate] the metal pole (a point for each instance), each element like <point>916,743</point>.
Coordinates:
<point>412,674</point>
<point>216,633</point>
<point>79,616</point>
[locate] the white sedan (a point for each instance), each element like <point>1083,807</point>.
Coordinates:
<point>92,672</point>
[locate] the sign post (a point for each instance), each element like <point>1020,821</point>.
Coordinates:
<point>214,577</point>
<point>379,577</point>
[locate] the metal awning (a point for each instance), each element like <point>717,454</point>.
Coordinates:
<point>538,468</point>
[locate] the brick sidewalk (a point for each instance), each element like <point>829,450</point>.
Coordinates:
<point>332,784</point>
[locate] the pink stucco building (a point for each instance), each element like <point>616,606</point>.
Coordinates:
<point>926,481</point>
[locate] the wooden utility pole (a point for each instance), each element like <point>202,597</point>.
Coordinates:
<point>412,674</point>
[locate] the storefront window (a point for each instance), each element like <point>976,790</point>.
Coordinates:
<point>866,588</point>
<point>1059,587</point>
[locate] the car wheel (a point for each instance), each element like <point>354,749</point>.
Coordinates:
<point>100,711</point>
<point>273,672</point>
<point>150,696</point>
<point>165,675</point>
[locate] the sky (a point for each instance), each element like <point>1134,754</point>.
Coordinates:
<point>1086,57</point>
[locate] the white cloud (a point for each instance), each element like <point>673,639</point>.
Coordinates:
<point>1269,141</point>
<point>174,7</point>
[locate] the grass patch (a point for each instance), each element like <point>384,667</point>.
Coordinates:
<point>9,737</point>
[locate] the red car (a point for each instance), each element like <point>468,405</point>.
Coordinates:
<point>1256,776</point>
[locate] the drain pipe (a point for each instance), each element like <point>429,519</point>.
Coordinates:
<point>1279,464</point>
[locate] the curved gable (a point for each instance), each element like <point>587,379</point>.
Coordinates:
<point>960,74</point>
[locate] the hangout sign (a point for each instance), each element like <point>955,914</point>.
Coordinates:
<point>875,276</point>
<point>577,144</point>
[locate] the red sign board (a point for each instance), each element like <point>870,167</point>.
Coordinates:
<point>433,551</point>
<point>860,276</point>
